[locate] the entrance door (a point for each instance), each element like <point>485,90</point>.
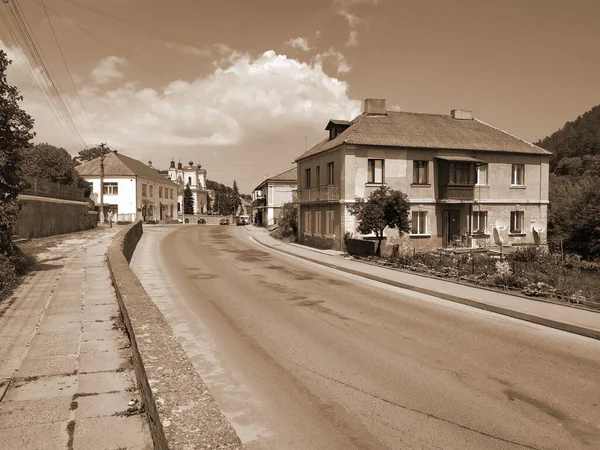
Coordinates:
<point>451,227</point>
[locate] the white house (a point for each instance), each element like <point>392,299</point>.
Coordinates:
<point>132,189</point>
<point>270,195</point>
<point>195,177</point>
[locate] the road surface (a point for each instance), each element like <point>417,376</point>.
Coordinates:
<point>299,356</point>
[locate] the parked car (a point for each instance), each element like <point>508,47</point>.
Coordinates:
<point>201,221</point>
<point>241,221</point>
<point>224,222</point>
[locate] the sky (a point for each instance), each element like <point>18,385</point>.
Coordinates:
<point>244,87</point>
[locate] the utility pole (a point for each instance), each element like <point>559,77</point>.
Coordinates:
<point>102,154</point>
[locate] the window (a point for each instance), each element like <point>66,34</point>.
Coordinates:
<point>375,171</point>
<point>144,190</point>
<point>462,173</point>
<point>171,192</point>
<point>330,173</point>
<point>329,222</point>
<point>318,175</point>
<point>482,175</point>
<point>420,172</point>
<point>419,222</point>
<point>518,175</point>
<point>318,222</point>
<point>160,192</point>
<point>111,188</point>
<point>307,221</point>
<point>517,222</point>
<point>151,191</point>
<point>307,180</point>
<point>479,222</point>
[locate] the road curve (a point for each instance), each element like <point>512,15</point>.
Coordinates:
<point>299,356</point>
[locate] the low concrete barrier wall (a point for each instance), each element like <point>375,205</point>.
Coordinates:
<point>360,247</point>
<point>181,411</point>
<point>41,217</point>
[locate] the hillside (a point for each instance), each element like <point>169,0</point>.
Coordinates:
<point>574,216</point>
<point>576,146</point>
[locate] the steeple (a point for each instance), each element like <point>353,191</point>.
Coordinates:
<point>172,164</point>
<point>179,165</point>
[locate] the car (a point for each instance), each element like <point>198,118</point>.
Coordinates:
<point>241,221</point>
<point>201,221</point>
<point>224,222</point>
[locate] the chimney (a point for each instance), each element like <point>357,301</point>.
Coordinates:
<point>375,106</point>
<point>150,164</point>
<point>461,114</point>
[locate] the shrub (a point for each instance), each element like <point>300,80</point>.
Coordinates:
<point>8,276</point>
<point>287,223</point>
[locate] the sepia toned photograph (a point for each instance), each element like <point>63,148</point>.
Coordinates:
<point>299,225</point>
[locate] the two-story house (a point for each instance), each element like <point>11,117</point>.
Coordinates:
<point>132,189</point>
<point>270,195</point>
<point>468,183</point>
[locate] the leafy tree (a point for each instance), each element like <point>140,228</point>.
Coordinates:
<point>91,153</point>
<point>236,201</point>
<point>15,133</point>
<point>385,208</point>
<point>51,163</point>
<point>188,200</point>
<point>287,222</point>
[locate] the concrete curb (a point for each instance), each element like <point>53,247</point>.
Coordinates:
<point>182,413</point>
<point>569,328</point>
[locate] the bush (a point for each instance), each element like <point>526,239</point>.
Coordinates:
<point>287,222</point>
<point>8,276</point>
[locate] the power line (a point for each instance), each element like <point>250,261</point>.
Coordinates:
<point>181,41</point>
<point>68,71</point>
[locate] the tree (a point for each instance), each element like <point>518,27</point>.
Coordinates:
<point>385,208</point>
<point>188,200</point>
<point>91,153</point>
<point>15,133</point>
<point>51,163</point>
<point>236,201</point>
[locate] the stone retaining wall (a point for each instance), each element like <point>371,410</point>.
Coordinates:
<point>182,413</point>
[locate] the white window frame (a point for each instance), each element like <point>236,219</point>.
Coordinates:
<point>514,178</point>
<point>144,190</point>
<point>151,187</point>
<point>517,216</point>
<point>416,170</point>
<point>373,171</point>
<point>476,222</point>
<point>111,188</point>
<point>421,223</point>
<point>318,217</point>
<point>330,173</point>
<point>330,223</point>
<point>307,222</point>
<point>482,168</point>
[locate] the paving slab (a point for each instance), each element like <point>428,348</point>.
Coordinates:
<point>102,382</point>
<point>102,361</point>
<point>104,404</point>
<point>45,351</point>
<point>125,432</point>
<point>63,386</point>
<point>56,338</point>
<point>95,327</point>
<point>50,436</point>
<point>55,365</point>
<point>88,336</point>
<point>34,412</point>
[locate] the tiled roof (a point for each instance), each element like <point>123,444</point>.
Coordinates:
<point>420,130</point>
<point>290,175</point>
<point>116,164</point>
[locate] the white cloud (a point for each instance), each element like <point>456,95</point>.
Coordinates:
<point>108,69</point>
<point>188,49</point>
<point>345,9</point>
<point>300,43</point>
<point>340,61</point>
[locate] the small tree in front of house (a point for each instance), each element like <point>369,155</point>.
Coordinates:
<point>385,208</point>
<point>236,201</point>
<point>188,200</point>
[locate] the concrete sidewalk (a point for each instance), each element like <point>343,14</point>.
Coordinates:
<point>65,362</point>
<point>573,320</point>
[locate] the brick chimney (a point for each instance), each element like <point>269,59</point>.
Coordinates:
<point>375,106</point>
<point>461,114</point>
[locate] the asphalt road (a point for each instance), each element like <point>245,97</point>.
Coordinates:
<point>299,356</point>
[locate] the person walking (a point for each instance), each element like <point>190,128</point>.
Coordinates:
<point>110,218</point>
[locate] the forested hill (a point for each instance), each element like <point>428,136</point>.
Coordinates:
<point>576,146</point>
<point>574,215</point>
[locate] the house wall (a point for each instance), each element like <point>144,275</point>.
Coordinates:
<point>321,239</point>
<point>126,199</point>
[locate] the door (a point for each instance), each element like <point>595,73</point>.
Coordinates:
<point>450,227</point>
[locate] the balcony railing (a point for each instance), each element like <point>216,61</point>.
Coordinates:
<point>459,193</point>
<point>319,194</point>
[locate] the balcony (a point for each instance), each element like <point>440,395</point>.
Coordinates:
<point>451,193</point>
<point>321,194</point>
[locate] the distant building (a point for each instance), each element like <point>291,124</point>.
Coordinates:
<point>132,189</point>
<point>271,194</point>
<point>195,177</point>
<point>469,184</point>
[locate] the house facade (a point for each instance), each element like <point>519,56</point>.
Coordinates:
<point>132,189</point>
<point>270,195</point>
<point>469,184</point>
<point>195,177</point>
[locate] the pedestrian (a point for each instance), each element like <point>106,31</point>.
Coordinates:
<point>110,218</point>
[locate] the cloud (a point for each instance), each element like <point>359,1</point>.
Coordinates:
<point>241,100</point>
<point>339,60</point>
<point>108,69</point>
<point>188,49</point>
<point>300,43</point>
<point>346,10</point>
